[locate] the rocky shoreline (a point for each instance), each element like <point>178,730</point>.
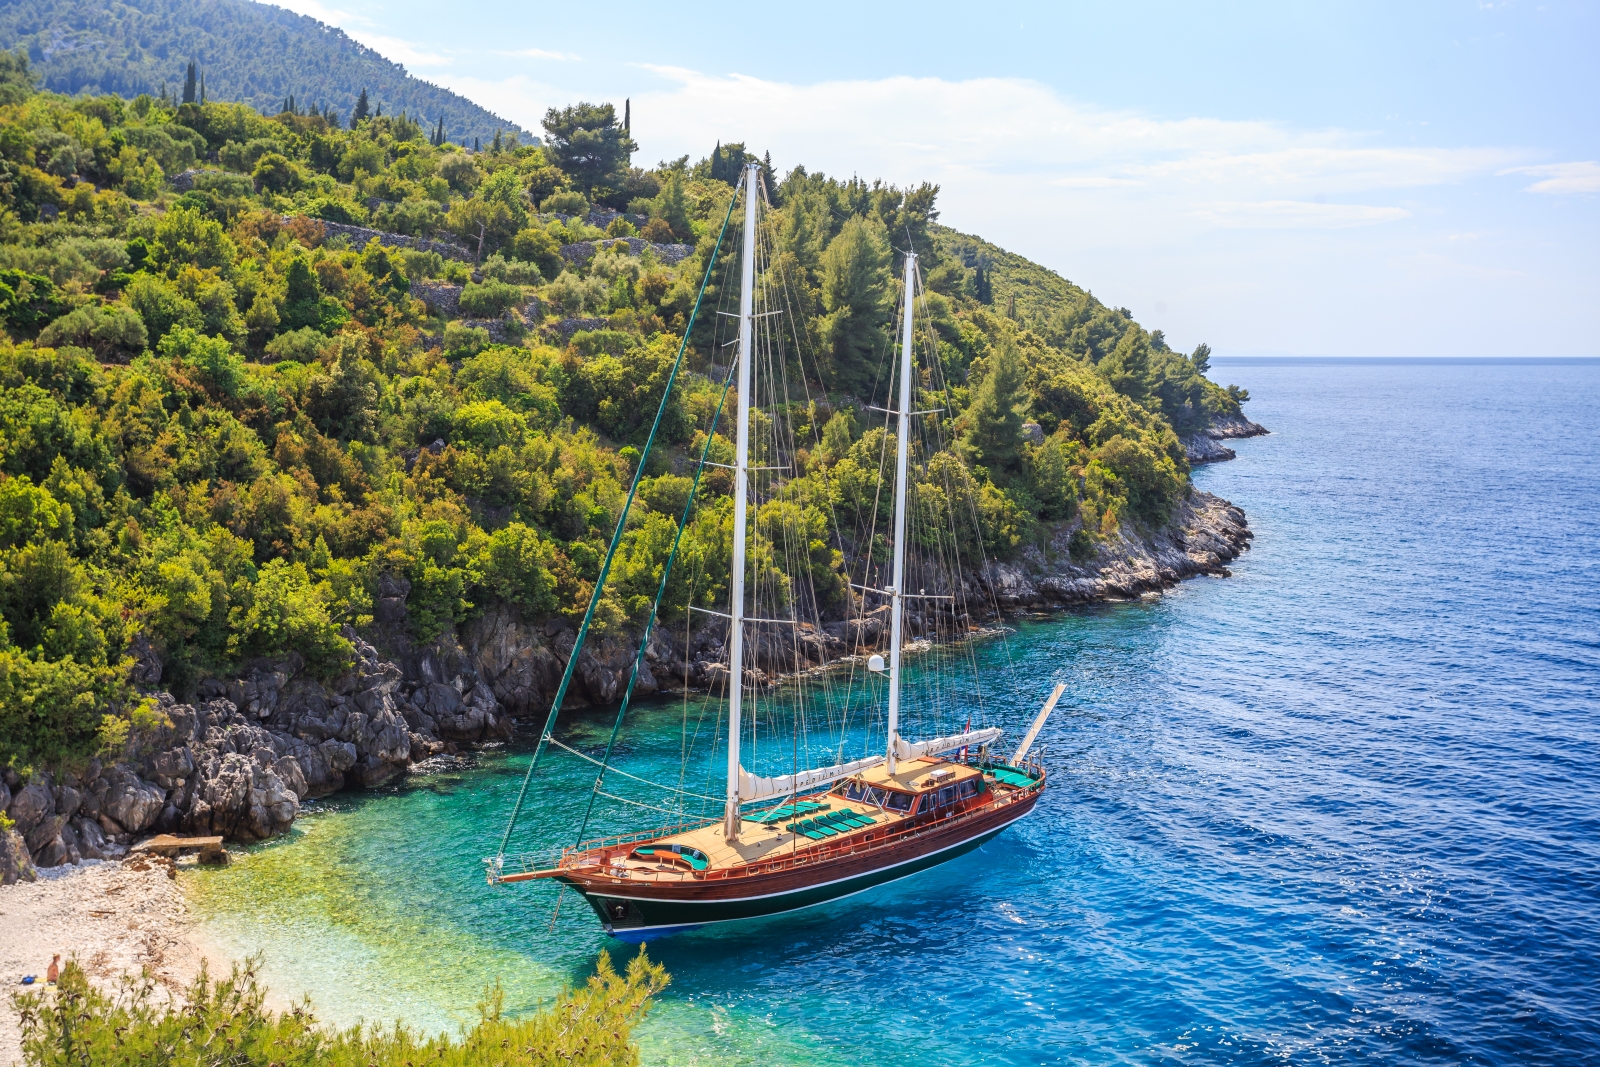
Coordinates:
<point>1206,446</point>
<point>242,756</point>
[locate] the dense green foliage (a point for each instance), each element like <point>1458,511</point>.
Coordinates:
<point>254,53</point>
<point>225,1021</point>
<point>219,426</point>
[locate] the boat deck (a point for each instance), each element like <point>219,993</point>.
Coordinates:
<point>821,822</point>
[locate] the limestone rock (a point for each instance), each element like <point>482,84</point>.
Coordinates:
<point>30,806</point>
<point>131,803</point>
<point>16,863</point>
<point>240,799</point>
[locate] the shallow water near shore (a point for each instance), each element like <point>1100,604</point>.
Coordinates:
<point>1343,806</point>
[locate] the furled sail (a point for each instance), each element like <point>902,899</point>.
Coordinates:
<point>754,787</point>
<point>904,749</point>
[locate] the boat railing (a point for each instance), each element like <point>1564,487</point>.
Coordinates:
<point>891,839</point>
<point>572,855</point>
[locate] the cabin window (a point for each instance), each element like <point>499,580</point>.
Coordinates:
<point>969,788</point>
<point>929,802</point>
<point>873,795</point>
<point>947,795</point>
<point>898,802</point>
<point>853,790</point>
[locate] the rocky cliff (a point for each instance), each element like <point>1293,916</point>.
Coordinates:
<point>241,758</point>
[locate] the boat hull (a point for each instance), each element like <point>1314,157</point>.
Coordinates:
<point>636,913</point>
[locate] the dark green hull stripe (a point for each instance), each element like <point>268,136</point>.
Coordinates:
<point>645,916</point>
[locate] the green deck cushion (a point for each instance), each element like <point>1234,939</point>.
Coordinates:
<point>690,856</point>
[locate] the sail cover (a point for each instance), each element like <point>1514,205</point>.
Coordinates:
<point>754,787</point>
<point>904,749</point>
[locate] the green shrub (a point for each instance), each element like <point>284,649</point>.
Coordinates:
<point>28,301</point>
<point>333,210</point>
<point>286,613</point>
<point>566,202</point>
<point>112,331</point>
<point>513,272</point>
<point>304,345</point>
<point>1081,546</point>
<point>1152,480</point>
<point>461,341</point>
<point>275,172</point>
<point>535,245</point>
<point>77,1024</point>
<point>489,299</point>
<point>517,568</point>
<point>220,368</point>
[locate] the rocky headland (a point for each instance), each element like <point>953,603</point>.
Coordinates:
<point>241,755</point>
<point>1206,445</point>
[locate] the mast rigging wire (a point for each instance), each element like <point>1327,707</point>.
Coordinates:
<point>611,552</point>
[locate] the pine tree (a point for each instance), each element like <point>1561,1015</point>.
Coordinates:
<point>189,84</point>
<point>361,112</point>
<point>994,425</point>
<point>495,148</point>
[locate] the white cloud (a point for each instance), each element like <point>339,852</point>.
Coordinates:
<point>540,53</point>
<point>312,9</point>
<point>391,48</point>
<point>1562,177</point>
<point>911,128</point>
<point>1250,234</point>
<point>402,52</point>
<point>1296,214</point>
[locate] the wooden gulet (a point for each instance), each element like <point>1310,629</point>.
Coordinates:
<point>802,839</point>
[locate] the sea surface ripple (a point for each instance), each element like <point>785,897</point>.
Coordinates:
<point>1342,806</point>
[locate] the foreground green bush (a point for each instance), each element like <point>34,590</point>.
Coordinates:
<point>224,1022</point>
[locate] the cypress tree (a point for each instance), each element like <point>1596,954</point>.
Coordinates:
<point>188,84</point>
<point>202,87</point>
<point>627,115</point>
<point>361,111</point>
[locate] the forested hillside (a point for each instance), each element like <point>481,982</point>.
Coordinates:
<point>221,424</point>
<point>252,53</point>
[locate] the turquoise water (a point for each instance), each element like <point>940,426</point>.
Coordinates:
<point>1343,806</point>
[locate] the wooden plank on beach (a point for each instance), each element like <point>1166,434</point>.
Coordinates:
<point>210,848</point>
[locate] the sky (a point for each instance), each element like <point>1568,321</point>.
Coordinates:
<point>1352,179</point>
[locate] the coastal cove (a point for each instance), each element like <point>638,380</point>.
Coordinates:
<point>1340,806</point>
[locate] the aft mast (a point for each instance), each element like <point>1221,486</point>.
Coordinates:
<point>741,488</point>
<point>902,448</point>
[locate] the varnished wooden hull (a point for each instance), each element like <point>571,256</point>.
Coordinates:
<point>639,911</point>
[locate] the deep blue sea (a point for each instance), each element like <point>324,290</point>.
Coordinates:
<point>1343,806</point>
